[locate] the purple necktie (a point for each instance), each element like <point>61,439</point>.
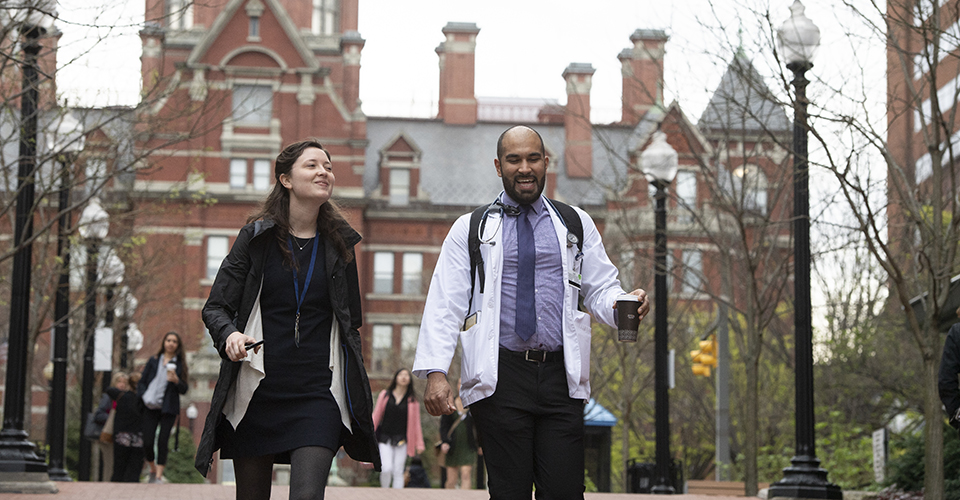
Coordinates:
<point>526,321</point>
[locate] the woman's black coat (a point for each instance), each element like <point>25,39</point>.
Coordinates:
<point>232,297</point>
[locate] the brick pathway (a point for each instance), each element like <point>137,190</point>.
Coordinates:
<point>144,491</point>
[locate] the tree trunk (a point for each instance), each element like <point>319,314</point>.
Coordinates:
<point>933,430</point>
<point>751,426</point>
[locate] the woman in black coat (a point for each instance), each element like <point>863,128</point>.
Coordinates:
<point>163,380</point>
<point>127,430</point>
<point>290,282</point>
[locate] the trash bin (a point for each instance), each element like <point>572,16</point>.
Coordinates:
<point>639,476</point>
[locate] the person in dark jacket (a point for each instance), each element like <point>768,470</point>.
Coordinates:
<point>127,430</point>
<point>290,282</point>
<point>163,380</point>
<point>949,378</point>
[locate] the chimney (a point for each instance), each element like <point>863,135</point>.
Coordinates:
<point>642,70</point>
<point>458,104</point>
<point>578,149</point>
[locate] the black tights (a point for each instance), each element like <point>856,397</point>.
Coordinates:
<point>309,468</point>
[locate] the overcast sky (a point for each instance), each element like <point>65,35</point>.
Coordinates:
<point>522,49</point>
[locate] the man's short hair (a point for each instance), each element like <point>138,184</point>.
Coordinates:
<point>543,150</point>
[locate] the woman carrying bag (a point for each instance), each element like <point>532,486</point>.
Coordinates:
<point>163,380</point>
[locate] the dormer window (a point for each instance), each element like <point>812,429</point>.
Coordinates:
<point>254,28</point>
<point>254,11</point>
<point>326,17</point>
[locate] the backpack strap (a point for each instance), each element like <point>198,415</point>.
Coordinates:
<point>473,245</point>
<point>572,220</point>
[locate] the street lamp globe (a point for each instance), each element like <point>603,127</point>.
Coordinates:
<point>799,38</point>
<point>659,161</point>
<point>33,15</point>
<point>68,139</point>
<point>113,269</point>
<point>134,338</point>
<point>94,221</point>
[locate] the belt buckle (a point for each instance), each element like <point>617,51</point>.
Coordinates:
<point>540,354</point>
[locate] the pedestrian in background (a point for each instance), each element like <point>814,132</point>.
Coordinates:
<point>459,445</point>
<point>163,380</point>
<point>290,281</point>
<point>128,450</point>
<point>396,418</point>
<point>949,378</point>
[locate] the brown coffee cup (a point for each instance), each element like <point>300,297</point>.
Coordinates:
<point>628,320</point>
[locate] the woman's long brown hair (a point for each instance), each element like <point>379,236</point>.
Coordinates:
<point>276,206</point>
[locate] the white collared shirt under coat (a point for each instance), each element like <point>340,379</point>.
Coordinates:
<point>446,307</point>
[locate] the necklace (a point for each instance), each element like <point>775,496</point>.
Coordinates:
<point>296,241</point>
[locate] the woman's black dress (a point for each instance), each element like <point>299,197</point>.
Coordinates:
<point>293,406</point>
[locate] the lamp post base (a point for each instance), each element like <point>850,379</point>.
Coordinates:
<point>21,470</point>
<point>59,474</point>
<point>805,479</point>
<point>663,489</point>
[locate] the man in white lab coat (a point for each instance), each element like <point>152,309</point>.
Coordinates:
<point>525,367</point>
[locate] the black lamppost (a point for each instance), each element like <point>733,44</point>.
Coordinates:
<point>66,144</point>
<point>799,39</point>
<point>21,469</point>
<point>93,226</point>
<point>659,164</point>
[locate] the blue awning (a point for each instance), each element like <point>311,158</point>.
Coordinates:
<point>597,416</point>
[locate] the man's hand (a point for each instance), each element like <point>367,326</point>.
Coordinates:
<point>438,398</point>
<point>644,302</point>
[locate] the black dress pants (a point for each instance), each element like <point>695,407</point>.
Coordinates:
<point>531,432</point>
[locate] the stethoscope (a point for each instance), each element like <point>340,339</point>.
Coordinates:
<point>504,209</point>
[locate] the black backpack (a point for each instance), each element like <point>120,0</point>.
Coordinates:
<point>570,218</point>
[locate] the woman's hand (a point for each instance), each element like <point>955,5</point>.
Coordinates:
<point>236,347</point>
<point>172,376</point>
<point>444,448</point>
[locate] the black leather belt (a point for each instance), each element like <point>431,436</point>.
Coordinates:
<point>535,355</point>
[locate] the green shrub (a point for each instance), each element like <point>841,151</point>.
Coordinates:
<point>180,463</point>
<point>905,467</point>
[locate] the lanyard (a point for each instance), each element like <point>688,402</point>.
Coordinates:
<point>306,285</point>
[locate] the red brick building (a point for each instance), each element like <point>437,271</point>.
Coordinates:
<point>233,81</point>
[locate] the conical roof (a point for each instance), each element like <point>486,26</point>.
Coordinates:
<point>743,103</point>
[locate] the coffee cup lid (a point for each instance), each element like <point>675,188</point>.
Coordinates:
<point>627,296</point>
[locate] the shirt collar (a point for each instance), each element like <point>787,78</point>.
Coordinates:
<point>537,205</point>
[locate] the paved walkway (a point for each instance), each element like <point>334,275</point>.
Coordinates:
<point>144,491</point>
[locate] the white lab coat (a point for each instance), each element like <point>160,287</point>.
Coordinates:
<point>446,307</point>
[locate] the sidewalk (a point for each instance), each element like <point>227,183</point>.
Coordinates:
<point>144,491</point>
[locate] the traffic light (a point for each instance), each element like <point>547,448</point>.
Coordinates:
<point>706,357</point>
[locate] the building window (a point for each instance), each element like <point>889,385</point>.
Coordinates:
<point>238,173</point>
<point>253,104</point>
<point>254,32</point>
<point>412,274</point>
<point>748,187</point>
<point>261,175</point>
<point>326,16</point>
<point>383,272</point>
<point>692,271</point>
<point>180,14</point>
<point>399,186</point>
<point>217,248</point>
<point>408,342</point>
<point>687,189</point>
<point>382,348</point>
